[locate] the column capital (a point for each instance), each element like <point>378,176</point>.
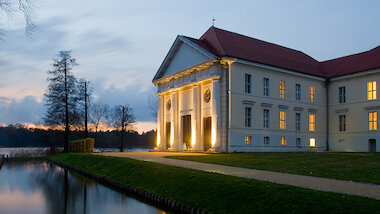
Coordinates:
<point>216,79</point>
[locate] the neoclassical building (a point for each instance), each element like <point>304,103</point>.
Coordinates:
<point>227,92</point>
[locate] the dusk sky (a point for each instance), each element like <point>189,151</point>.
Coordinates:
<point>119,45</point>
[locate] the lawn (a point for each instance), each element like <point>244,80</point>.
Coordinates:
<point>361,167</point>
<point>215,192</point>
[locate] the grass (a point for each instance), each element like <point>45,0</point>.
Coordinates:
<point>361,167</point>
<point>215,192</point>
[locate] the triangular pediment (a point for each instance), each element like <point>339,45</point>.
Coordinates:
<point>183,54</point>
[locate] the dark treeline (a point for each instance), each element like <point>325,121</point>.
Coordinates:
<point>20,136</point>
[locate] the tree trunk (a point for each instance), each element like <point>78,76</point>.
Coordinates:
<point>122,130</point>
<point>85,110</point>
<point>67,128</point>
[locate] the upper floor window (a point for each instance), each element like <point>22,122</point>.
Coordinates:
<point>298,92</point>
<point>371,90</point>
<point>282,120</point>
<point>283,141</point>
<point>266,87</point>
<point>298,121</point>
<point>311,122</point>
<point>342,123</point>
<point>312,92</point>
<point>372,120</point>
<point>282,89</point>
<point>342,94</point>
<point>248,81</point>
<point>248,112</point>
<point>266,118</point>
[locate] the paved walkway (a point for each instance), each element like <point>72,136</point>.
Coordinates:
<point>316,183</point>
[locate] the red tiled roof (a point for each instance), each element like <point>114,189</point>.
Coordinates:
<point>224,43</point>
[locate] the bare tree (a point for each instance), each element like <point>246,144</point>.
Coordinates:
<point>153,105</point>
<point>9,7</point>
<point>62,95</point>
<point>122,119</point>
<point>99,113</point>
<point>85,91</point>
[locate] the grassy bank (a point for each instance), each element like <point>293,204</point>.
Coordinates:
<point>215,192</point>
<point>361,167</point>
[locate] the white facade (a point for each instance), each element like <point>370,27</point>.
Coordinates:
<point>204,105</point>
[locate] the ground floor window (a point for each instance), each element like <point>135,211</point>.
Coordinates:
<point>298,142</point>
<point>372,120</point>
<point>342,123</point>
<point>266,140</point>
<point>283,141</point>
<point>312,142</point>
<point>248,140</point>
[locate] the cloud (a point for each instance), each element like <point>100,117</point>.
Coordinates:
<point>27,109</point>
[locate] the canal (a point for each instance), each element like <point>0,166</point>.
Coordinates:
<point>38,186</point>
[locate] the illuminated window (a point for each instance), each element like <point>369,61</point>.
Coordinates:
<point>248,112</point>
<point>248,139</point>
<point>266,87</point>
<point>298,92</point>
<point>283,141</point>
<point>282,89</point>
<point>342,123</point>
<point>372,120</point>
<point>298,121</point>
<point>311,122</point>
<point>298,142</point>
<point>248,79</point>
<point>266,119</point>
<point>371,90</point>
<point>266,140</point>
<point>312,91</point>
<point>282,120</point>
<point>342,94</point>
<point>312,142</point>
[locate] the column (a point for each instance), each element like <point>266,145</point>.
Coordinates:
<point>173,121</point>
<point>160,123</point>
<point>179,122</point>
<point>216,125</point>
<point>195,125</point>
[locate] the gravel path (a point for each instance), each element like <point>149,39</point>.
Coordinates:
<point>309,182</point>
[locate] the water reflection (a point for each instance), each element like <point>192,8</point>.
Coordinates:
<point>42,187</point>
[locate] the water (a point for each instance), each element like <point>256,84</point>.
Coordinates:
<point>38,186</point>
<point>40,151</point>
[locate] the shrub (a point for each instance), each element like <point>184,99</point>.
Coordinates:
<point>82,145</point>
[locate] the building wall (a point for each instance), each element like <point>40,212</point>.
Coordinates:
<point>356,109</point>
<point>275,104</point>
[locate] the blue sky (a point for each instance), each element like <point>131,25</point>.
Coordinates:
<point>120,44</point>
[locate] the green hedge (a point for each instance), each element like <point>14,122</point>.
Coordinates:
<point>82,145</point>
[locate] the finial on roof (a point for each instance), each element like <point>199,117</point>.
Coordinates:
<point>213,21</point>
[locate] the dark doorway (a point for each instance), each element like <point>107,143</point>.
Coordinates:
<point>206,133</point>
<point>186,130</point>
<point>372,145</point>
<point>168,129</point>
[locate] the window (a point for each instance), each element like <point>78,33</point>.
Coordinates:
<point>266,141</point>
<point>298,142</point>
<point>266,118</point>
<point>312,91</point>
<point>342,123</point>
<point>266,87</point>
<point>298,121</point>
<point>371,90</point>
<point>248,79</point>
<point>312,142</point>
<point>298,92</point>
<point>372,120</point>
<point>248,140</point>
<point>342,94</point>
<point>282,89</point>
<point>283,141</point>
<point>248,112</point>
<point>311,122</point>
<point>282,120</point>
